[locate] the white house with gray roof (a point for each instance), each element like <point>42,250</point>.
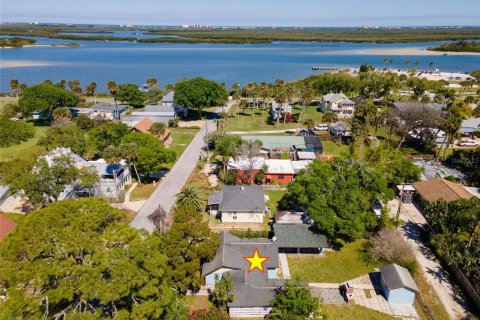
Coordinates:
<point>338,103</point>
<point>167,100</point>
<point>252,291</point>
<point>236,204</point>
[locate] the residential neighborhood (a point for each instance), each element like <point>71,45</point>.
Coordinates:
<point>344,183</point>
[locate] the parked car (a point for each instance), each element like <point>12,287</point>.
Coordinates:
<point>321,127</point>
<point>467,143</point>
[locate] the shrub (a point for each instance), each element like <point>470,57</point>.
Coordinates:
<point>228,177</point>
<point>388,246</point>
<point>251,234</point>
<point>13,132</point>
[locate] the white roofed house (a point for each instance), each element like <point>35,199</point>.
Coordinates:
<point>111,177</point>
<point>155,113</point>
<point>338,103</point>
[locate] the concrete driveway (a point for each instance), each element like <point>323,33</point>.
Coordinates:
<point>165,194</point>
<point>434,272</point>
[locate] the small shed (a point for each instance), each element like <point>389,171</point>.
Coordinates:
<point>397,284</point>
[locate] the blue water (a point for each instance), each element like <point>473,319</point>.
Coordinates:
<point>135,62</point>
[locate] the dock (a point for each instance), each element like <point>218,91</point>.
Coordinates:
<point>324,68</point>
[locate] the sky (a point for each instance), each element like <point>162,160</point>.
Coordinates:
<point>296,13</point>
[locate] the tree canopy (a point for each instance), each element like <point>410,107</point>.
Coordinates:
<point>46,98</point>
<point>14,132</point>
<point>67,136</point>
<point>152,154</point>
<point>295,302</point>
<point>79,257</point>
<point>337,196</point>
<point>197,93</point>
<point>130,94</point>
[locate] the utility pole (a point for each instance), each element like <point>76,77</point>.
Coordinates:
<point>208,140</point>
<point>400,204</point>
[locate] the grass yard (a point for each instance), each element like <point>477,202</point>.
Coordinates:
<point>333,267</point>
<point>181,139</point>
<point>429,297</point>
<point>260,120</point>
<point>275,196</point>
<point>197,302</point>
<point>348,312</point>
<point>24,149</point>
<point>142,192</point>
<point>333,148</point>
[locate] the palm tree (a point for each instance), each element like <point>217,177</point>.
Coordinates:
<point>130,152</point>
<point>113,89</point>
<point>309,122</point>
<point>157,128</point>
<point>306,97</point>
<point>430,65</point>
<point>417,63</point>
<point>61,84</point>
<point>152,82</point>
<point>385,62</point>
<point>391,63</point>
<point>280,98</point>
<point>407,63</point>
<point>91,87</point>
<point>189,198</point>
<point>61,115</point>
<point>15,86</point>
<point>234,88</point>
<point>169,87</point>
<point>330,117</point>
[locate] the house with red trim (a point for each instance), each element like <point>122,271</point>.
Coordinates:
<point>279,170</point>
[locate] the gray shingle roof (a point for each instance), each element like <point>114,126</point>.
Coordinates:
<point>340,126</point>
<point>232,250</point>
<point>253,289</point>
<point>160,109</point>
<point>107,107</point>
<point>298,236</point>
<point>396,277</point>
<point>215,198</point>
<point>243,198</point>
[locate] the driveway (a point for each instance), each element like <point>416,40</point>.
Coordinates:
<point>165,194</point>
<point>434,273</point>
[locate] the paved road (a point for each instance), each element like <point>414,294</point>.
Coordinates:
<point>165,194</point>
<point>434,273</point>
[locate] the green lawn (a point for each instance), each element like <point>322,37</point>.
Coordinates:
<point>348,312</point>
<point>333,148</point>
<point>333,266</point>
<point>260,120</point>
<point>142,192</point>
<point>181,138</point>
<point>197,302</point>
<point>275,196</point>
<point>23,149</point>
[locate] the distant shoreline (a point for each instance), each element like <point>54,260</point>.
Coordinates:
<point>63,45</point>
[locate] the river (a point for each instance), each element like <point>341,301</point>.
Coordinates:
<point>134,62</point>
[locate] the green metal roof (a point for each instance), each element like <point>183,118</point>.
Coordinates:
<point>275,142</point>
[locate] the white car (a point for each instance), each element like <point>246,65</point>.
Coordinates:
<point>321,127</point>
<point>467,143</point>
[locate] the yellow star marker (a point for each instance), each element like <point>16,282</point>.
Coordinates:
<point>256,261</point>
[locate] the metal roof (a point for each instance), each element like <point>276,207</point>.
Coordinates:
<point>168,97</point>
<point>278,142</point>
<point>334,97</point>
<point>107,107</point>
<point>298,236</point>
<point>407,105</point>
<point>306,155</point>
<point>396,277</point>
<point>278,166</point>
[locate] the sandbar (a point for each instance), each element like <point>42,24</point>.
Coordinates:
<point>414,52</point>
<point>20,64</point>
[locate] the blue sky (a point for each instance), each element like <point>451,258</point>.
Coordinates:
<point>321,13</point>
